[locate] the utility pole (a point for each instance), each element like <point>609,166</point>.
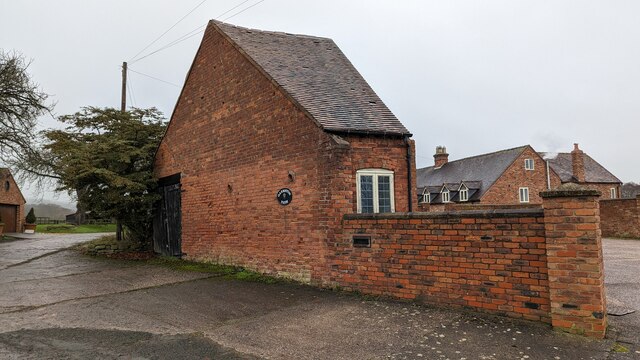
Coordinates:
<point>123,108</point>
<point>123,102</point>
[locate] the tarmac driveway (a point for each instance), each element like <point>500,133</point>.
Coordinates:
<point>56,303</point>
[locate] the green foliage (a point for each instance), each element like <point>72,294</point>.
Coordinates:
<point>31,217</point>
<point>73,229</point>
<point>105,157</point>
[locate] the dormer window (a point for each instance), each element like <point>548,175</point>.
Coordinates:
<point>528,164</point>
<point>445,195</point>
<point>463,193</point>
<point>426,196</point>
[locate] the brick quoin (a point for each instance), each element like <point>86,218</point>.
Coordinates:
<point>575,261</point>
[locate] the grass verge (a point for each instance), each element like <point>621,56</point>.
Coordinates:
<point>226,271</point>
<point>75,229</point>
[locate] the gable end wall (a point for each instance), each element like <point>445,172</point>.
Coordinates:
<point>505,189</point>
<point>236,138</point>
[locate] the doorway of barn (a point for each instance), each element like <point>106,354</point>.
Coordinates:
<point>167,227</point>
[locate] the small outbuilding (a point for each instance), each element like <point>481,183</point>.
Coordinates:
<point>11,202</point>
<point>274,138</point>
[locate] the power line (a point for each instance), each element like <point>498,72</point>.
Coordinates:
<point>131,97</point>
<point>241,11</point>
<point>198,30</point>
<point>230,10</point>
<point>169,29</point>
<point>154,78</point>
<point>174,42</point>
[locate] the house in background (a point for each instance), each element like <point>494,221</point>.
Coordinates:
<point>580,168</point>
<point>273,139</point>
<point>512,176</point>
<point>11,202</point>
<point>509,177</point>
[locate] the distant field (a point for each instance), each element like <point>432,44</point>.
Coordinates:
<point>73,229</point>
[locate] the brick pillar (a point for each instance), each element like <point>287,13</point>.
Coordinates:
<point>575,262</point>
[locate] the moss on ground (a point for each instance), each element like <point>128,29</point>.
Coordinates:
<point>226,271</point>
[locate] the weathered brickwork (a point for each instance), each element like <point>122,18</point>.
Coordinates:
<point>492,261</point>
<point>11,196</point>
<point>237,139</point>
<point>574,258</point>
<point>506,189</point>
<point>620,218</point>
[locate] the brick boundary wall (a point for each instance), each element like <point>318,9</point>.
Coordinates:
<point>534,264</point>
<point>490,260</point>
<point>620,217</point>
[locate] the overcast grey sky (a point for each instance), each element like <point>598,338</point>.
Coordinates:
<point>475,76</point>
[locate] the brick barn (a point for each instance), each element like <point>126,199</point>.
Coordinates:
<point>11,202</point>
<point>263,114</point>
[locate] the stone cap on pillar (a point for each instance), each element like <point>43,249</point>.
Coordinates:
<point>569,190</point>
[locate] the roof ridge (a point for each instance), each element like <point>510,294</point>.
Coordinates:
<point>480,155</point>
<point>218,22</point>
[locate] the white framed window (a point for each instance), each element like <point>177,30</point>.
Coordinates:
<point>463,193</point>
<point>375,191</point>
<point>528,164</point>
<point>524,194</point>
<point>426,196</point>
<point>614,193</point>
<point>445,195</point>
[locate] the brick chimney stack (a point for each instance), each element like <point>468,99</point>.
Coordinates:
<point>577,159</point>
<point>441,157</point>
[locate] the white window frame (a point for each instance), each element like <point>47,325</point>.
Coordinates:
<point>375,173</point>
<point>525,191</point>
<point>448,193</point>
<point>614,193</point>
<point>426,196</point>
<point>463,190</point>
<point>529,164</point>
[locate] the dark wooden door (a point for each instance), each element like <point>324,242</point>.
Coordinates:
<point>9,215</point>
<point>167,227</point>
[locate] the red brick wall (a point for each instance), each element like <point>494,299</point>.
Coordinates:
<point>12,196</point>
<point>620,217</point>
<point>489,261</point>
<point>236,138</point>
<point>575,261</point>
<point>505,189</point>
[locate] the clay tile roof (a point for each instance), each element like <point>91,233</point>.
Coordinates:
<point>317,75</point>
<point>562,164</point>
<point>479,171</point>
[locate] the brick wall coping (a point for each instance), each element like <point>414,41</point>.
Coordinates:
<point>569,193</point>
<point>489,213</point>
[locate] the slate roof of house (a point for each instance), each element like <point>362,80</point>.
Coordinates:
<point>479,171</point>
<point>562,164</point>
<point>317,75</point>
